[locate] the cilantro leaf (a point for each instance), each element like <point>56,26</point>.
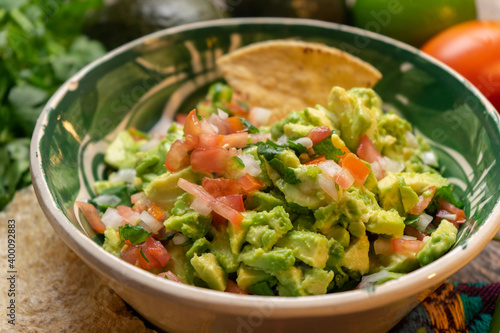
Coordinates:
<point>297,147</point>
<point>412,219</point>
<point>124,192</point>
<point>269,150</point>
<point>134,233</point>
<point>446,193</point>
<point>285,172</point>
<point>326,147</point>
<point>251,128</point>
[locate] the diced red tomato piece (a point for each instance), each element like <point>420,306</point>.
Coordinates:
<point>157,250</point>
<point>235,201</point>
<point>367,150</point>
<point>236,140</point>
<point>423,201</point>
<point>156,212</point>
<point>317,160</point>
<point>236,124</point>
<point>232,287</point>
<point>249,184</point>
<point>260,137</point>
<point>129,255</point>
<point>139,197</point>
<point>209,140</point>
<point>191,142</point>
<point>128,215</point>
<point>181,118</point>
<point>171,276</point>
<point>452,209</point>
<point>318,134</point>
<point>357,168</point>
<point>406,245</point>
<point>211,159</point>
<point>92,215</point>
<point>344,179</point>
<point>220,187</point>
<point>145,258</point>
<point>217,219</point>
<point>207,128</point>
<point>177,157</point>
<point>193,124</point>
<point>236,108</point>
<point>414,232</point>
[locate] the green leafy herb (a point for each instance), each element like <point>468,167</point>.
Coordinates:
<point>297,147</point>
<point>269,149</point>
<point>326,147</point>
<point>133,233</point>
<point>251,128</point>
<point>285,172</point>
<point>144,256</point>
<point>446,193</point>
<point>412,219</point>
<point>124,192</point>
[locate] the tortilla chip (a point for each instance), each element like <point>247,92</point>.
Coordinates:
<point>55,290</point>
<point>284,75</point>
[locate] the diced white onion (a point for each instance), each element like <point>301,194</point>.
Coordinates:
<point>393,165</point>
<point>306,142</point>
<point>282,140</point>
<point>200,207</point>
<point>151,222</point>
<point>252,167</point>
<point>423,221</point>
<point>147,146</point>
<point>208,128</point>
<point>449,217</point>
<point>329,168</point>
<point>123,175</point>
<point>408,237</point>
<point>144,226</point>
<point>107,200</point>
<point>112,219</point>
<point>429,158</point>
<point>260,137</point>
<point>378,168</point>
<point>222,126</point>
<point>382,246</point>
<point>259,116</point>
<point>411,139</point>
<point>426,239</point>
<point>222,114</point>
<point>370,280</point>
<point>179,239</point>
<point>328,185</point>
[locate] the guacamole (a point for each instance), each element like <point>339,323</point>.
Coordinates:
<point>315,203</point>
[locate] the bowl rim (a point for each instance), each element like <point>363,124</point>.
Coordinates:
<point>336,303</point>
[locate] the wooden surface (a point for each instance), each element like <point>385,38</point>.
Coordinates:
<point>485,268</point>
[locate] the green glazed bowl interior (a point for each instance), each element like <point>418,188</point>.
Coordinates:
<point>169,71</point>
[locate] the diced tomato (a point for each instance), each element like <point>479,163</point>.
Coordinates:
<point>129,254</point>
<point>209,140</point>
<point>156,212</point>
<point>414,232</point>
<point>318,134</point>
<point>217,219</point>
<point>406,245</point>
<point>177,157</point>
<point>146,259</point>
<point>357,168</point>
<point>344,179</point>
<point>316,161</point>
<point>207,128</point>
<point>367,150</point>
<point>232,287</point>
<point>92,215</point>
<point>236,140</point>
<point>191,142</point>
<point>193,124</point>
<point>423,201</point>
<point>235,201</point>
<point>157,250</point>
<point>249,184</point>
<point>211,159</point>
<point>139,197</point>
<point>236,124</point>
<point>170,276</point>
<point>220,187</point>
<point>452,209</point>
<point>129,215</point>
<point>236,108</point>
<point>181,118</point>
<point>260,137</point>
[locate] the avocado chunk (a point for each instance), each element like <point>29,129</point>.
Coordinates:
<point>164,191</point>
<point>296,130</point>
<point>317,117</point>
<point>442,239</point>
<point>237,237</point>
<point>120,154</point>
<point>199,246</point>
<point>112,241</point>
<point>399,263</point>
<point>290,281</point>
<point>261,201</point>
<point>276,259</point>
<point>262,236</point>
<point>310,247</point>
<point>209,270</point>
<point>316,281</point>
<point>221,248</point>
<point>386,222</point>
<point>294,117</point>
<point>187,221</point>
<point>336,255</point>
<point>248,277</point>
<point>356,255</point>
<point>391,139</point>
<point>180,265</point>
<point>265,228</point>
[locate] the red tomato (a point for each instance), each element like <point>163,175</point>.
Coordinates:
<point>232,287</point>
<point>208,140</point>
<point>249,184</point>
<point>193,124</point>
<point>236,124</point>
<point>157,250</point>
<point>344,179</point>
<point>357,168</point>
<point>211,159</point>
<point>171,276</point>
<point>129,215</point>
<point>423,201</point>
<point>220,187</point>
<point>414,232</point>
<point>443,205</point>
<point>217,219</point>
<point>235,201</point>
<point>90,212</point>
<point>367,151</point>
<point>406,245</point>
<point>236,140</point>
<point>145,258</point>
<point>316,161</point>
<point>472,49</point>
<point>157,212</point>
<point>318,134</point>
<point>177,157</point>
<point>129,255</point>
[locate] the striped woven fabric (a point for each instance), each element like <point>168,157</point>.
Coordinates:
<point>454,307</point>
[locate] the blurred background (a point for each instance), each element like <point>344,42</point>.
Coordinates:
<point>45,42</point>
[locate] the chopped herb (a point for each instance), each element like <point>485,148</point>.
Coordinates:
<point>285,172</point>
<point>269,149</point>
<point>251,128</point>
<point>124,192</point>
<point>447,195</point>
<point>326,147</point>
<point>144,256</point>
<point>135,234</point>
<point>297,147</point>
<point>412,219</point>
